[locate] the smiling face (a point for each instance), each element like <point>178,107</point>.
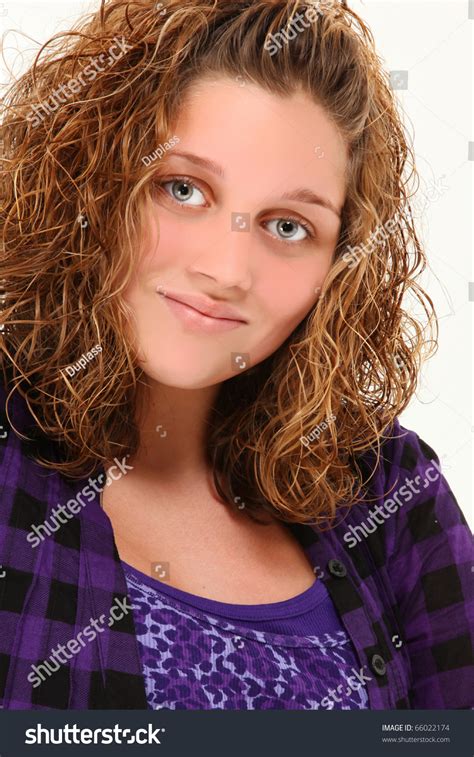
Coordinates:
<point>231,227</point>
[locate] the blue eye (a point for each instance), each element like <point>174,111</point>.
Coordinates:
<point>183,190</point>
<point>289,234</point>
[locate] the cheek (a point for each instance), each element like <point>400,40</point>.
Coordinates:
<point>175,240</point>
<point>164,241</point>
<point>169,240</point>
<point>283,309</point>
<point>289,292</point>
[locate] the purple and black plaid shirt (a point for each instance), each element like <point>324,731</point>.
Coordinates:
<point>398,569</point>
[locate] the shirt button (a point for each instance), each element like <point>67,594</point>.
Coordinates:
<point>377,663</point>
<point>337,568</point>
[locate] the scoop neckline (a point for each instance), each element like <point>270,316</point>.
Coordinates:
<point>286,608</point>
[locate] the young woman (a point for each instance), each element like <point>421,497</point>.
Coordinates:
<point>207,499</point>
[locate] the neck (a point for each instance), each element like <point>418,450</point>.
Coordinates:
<point>173,424</point>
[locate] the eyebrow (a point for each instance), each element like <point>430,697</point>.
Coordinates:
<point>302,194</point>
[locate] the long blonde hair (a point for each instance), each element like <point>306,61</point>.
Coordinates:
<point>348,369</point>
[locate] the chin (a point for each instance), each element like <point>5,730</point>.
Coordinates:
<point>184,379</point>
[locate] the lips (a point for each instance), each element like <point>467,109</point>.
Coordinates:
<point>194,320</point>
<point>204,305</point>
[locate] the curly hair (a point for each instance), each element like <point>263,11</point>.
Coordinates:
<point>350,366</point>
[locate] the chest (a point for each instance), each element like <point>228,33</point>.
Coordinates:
<point>198,545</point>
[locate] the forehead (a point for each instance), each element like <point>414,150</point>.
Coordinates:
<point>246,128</point>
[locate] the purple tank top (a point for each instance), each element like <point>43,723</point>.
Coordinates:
<point>200,654</point>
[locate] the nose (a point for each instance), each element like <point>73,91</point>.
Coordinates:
<point>227,253</point>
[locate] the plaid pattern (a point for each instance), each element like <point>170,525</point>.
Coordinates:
<point>404,592</point>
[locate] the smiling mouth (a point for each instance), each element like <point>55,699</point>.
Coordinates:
<point>206,315</point>
<point>193,320</point>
